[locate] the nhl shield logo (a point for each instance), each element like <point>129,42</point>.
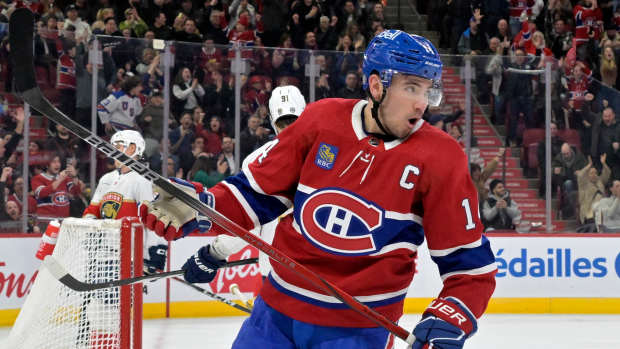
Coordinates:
<point>326,156</point>
<point>110,205</point>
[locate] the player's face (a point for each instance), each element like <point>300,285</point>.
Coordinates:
<point>404,104</point>
<point>129,151</point>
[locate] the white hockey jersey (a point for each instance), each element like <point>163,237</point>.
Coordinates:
<point>120,110</point>
<point>117,196</point>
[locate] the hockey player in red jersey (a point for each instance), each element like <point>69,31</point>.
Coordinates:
<point>369,181</point>
<point>120,191</point>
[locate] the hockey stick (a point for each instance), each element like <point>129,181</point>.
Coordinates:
<point>214,296</point>
<point>61,274</point>
<point>21,29</point>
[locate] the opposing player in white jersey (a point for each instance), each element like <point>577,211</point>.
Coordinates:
<point>120,191</point>
<point>285,105</point>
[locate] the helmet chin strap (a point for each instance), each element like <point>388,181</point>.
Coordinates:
<point>374,111</point>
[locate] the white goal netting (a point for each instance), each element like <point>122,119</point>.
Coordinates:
<point>56,317</point>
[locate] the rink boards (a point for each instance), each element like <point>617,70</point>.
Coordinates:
<point>559,273</point>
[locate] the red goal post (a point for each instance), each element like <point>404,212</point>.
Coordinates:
<point>54,316</point>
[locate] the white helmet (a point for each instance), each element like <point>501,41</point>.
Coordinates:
<point>284,101</point>
<point>127,137</point>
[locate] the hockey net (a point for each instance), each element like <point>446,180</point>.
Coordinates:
<point>56,317</point>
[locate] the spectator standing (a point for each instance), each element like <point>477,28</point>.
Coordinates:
<point>591,189</point>
<point>607,210</point>
<point>520,94</point>
<point>228,149</point>
<point>565,165</point>
<point>352,88</point>
<point>213,135</point>
<point>326,36</point>
<point>187,91</point>
<point>182,137</point>
<point>65,79</point>
<point>274,21</point>
<point>500,210</point>
<point>473,41</point>
<point>160,28</point>
<point>118,111</point>
<point>606,138</point>
<point>53,189</point>
<point>84,78</point>
<point>134,23</point>
<point>561,38</point>
<point>151,122</point>
<point>219,96</point>
<point>17,195</point>
<point>209,170</point>
<point>82,29</point>
<point>253,136</point>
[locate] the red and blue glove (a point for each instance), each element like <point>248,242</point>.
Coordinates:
<point>172,219</point>
<point>445,324</point>
<point>202,266</point>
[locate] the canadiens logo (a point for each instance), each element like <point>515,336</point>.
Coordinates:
<point>340,222</point>
<point>326,156</point>
<point>60,199</point>
<point>110,205</point>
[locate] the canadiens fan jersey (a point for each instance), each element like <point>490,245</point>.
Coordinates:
<point>361,209</point>
<point>53,202</point>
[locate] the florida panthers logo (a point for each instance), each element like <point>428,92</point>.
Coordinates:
<point>110,205</point>
<point>340,222</point>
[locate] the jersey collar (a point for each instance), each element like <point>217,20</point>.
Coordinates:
<point>358,127</point>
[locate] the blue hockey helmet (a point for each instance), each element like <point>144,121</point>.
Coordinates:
<point>394,51</point>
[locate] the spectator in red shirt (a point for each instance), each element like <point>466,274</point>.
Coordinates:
<point>53,189</point>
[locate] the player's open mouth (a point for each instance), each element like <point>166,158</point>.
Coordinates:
<point>412,122</point>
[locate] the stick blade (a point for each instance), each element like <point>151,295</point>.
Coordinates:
<point>52,265</point>
<point>21,34</point>
<point>59,273</point>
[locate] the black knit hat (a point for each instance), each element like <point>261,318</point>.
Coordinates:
<point>494,184</point>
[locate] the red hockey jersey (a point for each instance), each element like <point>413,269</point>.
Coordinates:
<point>66,72</point>
<point>53,202</point>
<point>362,207</point>
<point>516,7</point>
<point>586,19</point>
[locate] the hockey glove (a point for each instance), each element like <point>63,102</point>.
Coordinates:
<point>157,259</point>
<point>171,218</point>
<point>202,266</point>
<point>445,324</point>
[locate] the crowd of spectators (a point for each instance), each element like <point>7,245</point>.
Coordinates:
<point>510,42</point>
<point>274,36</point>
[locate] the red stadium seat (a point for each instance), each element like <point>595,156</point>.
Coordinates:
<point>531,138</point>
<point>571,137</point>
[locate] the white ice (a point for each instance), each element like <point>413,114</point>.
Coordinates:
<point>496,332</point>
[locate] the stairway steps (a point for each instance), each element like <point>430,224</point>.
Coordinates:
<point>490,152</point>
<point>450,79</point>
<point>532,204</point>
<point>484,130</point>
<point>515,183</point>
<point>511,173</point>
<point>518,194</point>
<point>510,162</point>
<point>489,141</point>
